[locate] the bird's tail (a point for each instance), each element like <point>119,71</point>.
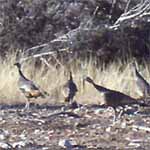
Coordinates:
<point>143,104</point>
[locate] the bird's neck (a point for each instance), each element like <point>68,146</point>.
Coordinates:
<point>94,84</point>
<point>70,77</point>
<point>21,74</point>
<point>100,88</point>
<point>135,70</point>
<point>137,74</point>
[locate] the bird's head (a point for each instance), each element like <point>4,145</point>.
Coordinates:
<point>88,79</point>
<point>133,66</point>
<point>70,76</point>
<point>17,64</point>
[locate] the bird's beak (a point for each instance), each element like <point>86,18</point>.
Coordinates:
<point>17,62</point>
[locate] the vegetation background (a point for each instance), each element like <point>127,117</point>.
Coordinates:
<point>98,38</point>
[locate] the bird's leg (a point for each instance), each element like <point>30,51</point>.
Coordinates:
<point>115,115</point>
<point>146,96</point>
<point>27,104</point>
<point>66,104</point>
<point>72,101</point>
<point>120,113</point>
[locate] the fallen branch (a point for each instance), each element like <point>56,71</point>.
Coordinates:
<point>141,128</point>
<point>64,113</point>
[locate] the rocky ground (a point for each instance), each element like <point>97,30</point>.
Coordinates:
<point>49,127</point>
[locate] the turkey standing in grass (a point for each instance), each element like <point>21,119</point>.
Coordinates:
<point>114,98</point>
<point>143,85</point>
<point>28,87</point>
<point>69,90</point>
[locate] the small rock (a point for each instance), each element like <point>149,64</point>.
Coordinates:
<point>123,125</point>
<point>80,125</point>
<point>1,119</point>
<point>37,131</point>
<point>108,129</point>
<point>39,123</point>
<point>2,137</point>
<point>5,145</point>
<point>45,148</point>
<point>4,134</point>
<point>97,111</point>
<point>135,145</point>
<point>19,144</point>
<point>23,136</point>
<point>65,143</point>
<point>77,110</point>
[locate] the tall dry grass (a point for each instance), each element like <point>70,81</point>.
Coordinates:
<point>52,80</point>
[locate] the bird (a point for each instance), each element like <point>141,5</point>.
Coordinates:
<point>28,87</point>
<point>114,98</point>
<point>69,90</point>
<point>143,85</point>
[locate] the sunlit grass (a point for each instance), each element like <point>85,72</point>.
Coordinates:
<point>52,80</point>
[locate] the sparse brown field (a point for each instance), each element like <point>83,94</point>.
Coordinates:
<point>42,129</point>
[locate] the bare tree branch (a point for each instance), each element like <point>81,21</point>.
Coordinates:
<point>114,2</point>
<point>132,15</point>
<point>127,6</point>
<point>41,54</point>
<point>47,64</point>
<point>140,10</point>
<point>36,47</point>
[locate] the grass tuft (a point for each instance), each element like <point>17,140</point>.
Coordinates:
<point>52,80</point>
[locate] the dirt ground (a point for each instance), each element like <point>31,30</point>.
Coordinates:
<point>89,127</point>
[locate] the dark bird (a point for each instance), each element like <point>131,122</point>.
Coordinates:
<point>114,98</point>
<point>28,87</point>
<point>143,85</point>
<point>69,90</point>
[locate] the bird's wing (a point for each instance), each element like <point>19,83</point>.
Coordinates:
<point>27,85</point>
<point>65,90</point>
<point>76,89</point>
<point>40,89</point>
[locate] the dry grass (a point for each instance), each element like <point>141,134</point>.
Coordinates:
<point>53,79</point>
